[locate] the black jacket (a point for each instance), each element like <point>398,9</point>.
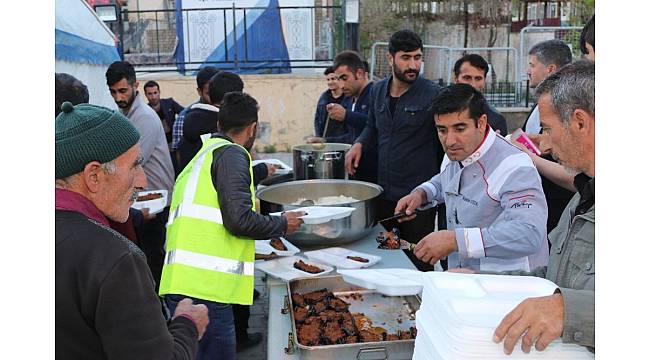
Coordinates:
<point>105,303</point>
<point>202,119</point>
<point>231,179</point>
<point>409,151</point>
<point>497,121</point>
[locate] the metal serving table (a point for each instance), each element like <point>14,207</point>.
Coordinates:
<point>279,325</point>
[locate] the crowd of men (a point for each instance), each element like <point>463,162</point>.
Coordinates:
<point>178,283</point>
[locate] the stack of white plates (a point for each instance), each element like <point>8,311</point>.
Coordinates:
<point>459,313</point>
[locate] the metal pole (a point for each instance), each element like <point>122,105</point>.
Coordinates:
<point>234,33</point>
<point>157,37</point>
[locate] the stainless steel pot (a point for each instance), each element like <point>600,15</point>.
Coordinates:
<point>319,161</point>
<point>286,196</point>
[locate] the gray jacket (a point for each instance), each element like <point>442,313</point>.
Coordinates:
<point>496,206</point>
<point>572,267</point>
<point>153,145</point>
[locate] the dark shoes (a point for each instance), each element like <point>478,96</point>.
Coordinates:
<point>250,341</point>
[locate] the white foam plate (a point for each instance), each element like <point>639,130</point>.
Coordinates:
<point>283,268</point>
<point>337,256</point>
<point>284,168</point>
<point>264,247</point>
<point>321,214</point>
<point>391,282</point>
<point>155,206</point>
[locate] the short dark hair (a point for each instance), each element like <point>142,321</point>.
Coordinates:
<point>366,66</point>
<point>552,52</point>
<point>119,70</point>
<point>151,83</point>
<point>475,60</point>
<point>588,35</point>
<point>238,110</point>
<point>457,98</point>
<point>68,88</point>
<point>328,70</point>
<point>570,88</point>
<point>223,83</point>
<point>404,40</point>
<point>204,75</point>
<point>350,59</point>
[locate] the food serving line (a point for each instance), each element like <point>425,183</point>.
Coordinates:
<point>279,324</point>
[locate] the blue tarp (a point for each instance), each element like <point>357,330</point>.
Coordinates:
<point>73,48</point>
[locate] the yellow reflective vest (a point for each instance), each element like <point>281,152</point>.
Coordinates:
<point>203,260</point>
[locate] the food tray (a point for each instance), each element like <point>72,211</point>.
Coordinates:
<point>337,256</point>
<point>391,282</point>
<point>264,247</point>
<point>382,310</point>
<point>283,268</point>
<point>321,214</point>
<point>284,168</point>
<point>155,206</point>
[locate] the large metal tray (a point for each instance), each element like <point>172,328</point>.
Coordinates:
<point>382,310</point>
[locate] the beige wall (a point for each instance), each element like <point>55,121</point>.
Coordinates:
<point>287,103</point>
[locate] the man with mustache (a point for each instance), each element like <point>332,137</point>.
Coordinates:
<point>105,303</point>
<point>399,127</point>
<point>496,211</point>
<point>157,162</point>
<point>212,225</point>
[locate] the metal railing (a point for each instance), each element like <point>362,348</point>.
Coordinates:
<point>150,38</point>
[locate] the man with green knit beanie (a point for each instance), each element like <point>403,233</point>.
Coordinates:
<point>106,305</point>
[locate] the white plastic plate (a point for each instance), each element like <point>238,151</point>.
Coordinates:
<point>283,268</point>
<point>321,214</point>
<point>155,206</point>
<point>284,168</point>
<point>264,247</point>
<point>337,256</point>
<point>391,282</point>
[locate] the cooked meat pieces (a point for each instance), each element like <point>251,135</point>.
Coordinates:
<point>369,336</point>
<point>408,334</point>
<point>333,333</point>
<point>316,296</point>
<point>361,321</point>
<point>313,319</point>
<point>297,300</point>
<point>352,339</point>
<point>392,337</point>
<point>338,304</point>
<point>151,196</point>
<point>301,265</point>
<point>277,244</point>
<point>358,258</point>
<point>388,240</point>
<point>329,315</point>
<point>309,334</point>
<point>319,307</point>
<point>300,314</point>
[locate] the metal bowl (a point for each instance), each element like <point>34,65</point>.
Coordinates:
<point>283,197</point>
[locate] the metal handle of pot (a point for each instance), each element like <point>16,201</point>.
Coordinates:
<point>373,350</point>
<point>286,307</point>
<point>332,155</point>
<point>308,160</point>
<point>290,349</point>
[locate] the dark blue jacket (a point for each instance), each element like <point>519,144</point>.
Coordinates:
<point>169,108</point>
<point>409,151</point>
<point>335,129</point>
<point>356,121</point>
<point>497,121</point>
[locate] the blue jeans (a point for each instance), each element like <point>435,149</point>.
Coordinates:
<point>218,342</point>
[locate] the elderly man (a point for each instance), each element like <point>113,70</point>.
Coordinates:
<point>496,211</point>
<point>105,303</point>
<point>567,109</point>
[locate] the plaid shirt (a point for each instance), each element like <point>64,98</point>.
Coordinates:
<point>177,128</point>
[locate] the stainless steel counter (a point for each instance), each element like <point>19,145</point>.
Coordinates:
<point>279,325</point>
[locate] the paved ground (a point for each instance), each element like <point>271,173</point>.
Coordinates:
<point>258,321</point>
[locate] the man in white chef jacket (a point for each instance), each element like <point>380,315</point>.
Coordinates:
<point>496,210</point>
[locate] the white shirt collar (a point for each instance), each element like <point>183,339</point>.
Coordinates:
<point>482,149</point>
<point>205,107</point>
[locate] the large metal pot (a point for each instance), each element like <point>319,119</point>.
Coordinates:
<point>286,196</point>
<point>319,161</point>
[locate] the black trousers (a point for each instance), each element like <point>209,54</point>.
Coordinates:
<point>152,243</point>
<point>241,314</point>
<point>412,231</point>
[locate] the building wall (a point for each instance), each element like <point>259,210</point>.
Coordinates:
<point>287,105</point>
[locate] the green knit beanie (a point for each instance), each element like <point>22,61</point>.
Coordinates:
<point>86,133</point>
